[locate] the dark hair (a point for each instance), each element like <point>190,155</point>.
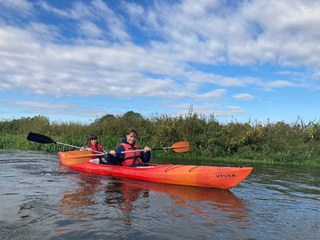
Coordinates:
<point>90,137</point>
<point>132,130</point>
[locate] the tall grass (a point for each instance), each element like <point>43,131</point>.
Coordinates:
<point>278,142</point>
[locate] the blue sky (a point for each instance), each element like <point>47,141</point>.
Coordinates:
<point>237,60</point>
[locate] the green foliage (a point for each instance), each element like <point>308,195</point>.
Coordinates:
<point>279,142</point>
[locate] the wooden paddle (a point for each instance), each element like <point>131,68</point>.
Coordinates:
<point>35,137</point>
<point>77,157</point>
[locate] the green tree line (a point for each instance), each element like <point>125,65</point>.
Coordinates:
<point>209,139</point>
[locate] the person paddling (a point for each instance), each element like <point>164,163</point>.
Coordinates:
<point>130,159</point>
<point>92,145</point>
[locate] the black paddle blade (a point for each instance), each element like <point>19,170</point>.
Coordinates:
<point>35,137</point>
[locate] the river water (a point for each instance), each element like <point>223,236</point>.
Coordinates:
<point>39,199</point>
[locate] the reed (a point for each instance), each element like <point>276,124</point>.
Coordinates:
<point>296,143</point>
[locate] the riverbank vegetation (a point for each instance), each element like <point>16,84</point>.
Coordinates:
<point>209,140</point>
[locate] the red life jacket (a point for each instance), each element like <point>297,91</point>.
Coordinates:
<point>96,147</point>
<point>132,158</point>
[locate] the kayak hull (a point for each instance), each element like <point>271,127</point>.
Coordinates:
<point>189,175</point>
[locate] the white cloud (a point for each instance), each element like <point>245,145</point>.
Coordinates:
<point>90,29</point>
<point>21,6</point>
<point>57,107</point>
<point>172,51</point>
<point>243,97</point>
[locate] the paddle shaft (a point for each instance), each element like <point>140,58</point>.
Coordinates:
<point>177,147</point>
<point>82,148</point>
<point>137,150</point>
<point>141,150</point>
<point>64,144</point>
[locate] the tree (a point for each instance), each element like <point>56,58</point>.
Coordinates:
<point>133,115</point>
<point>106,117</point>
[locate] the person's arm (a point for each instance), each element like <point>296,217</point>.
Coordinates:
<point>110,159</point>
<point>100,148</point>
<point>84,148</point>
<point>114,156</point>
<point>146,155</point>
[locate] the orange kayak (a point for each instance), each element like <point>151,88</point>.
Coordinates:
<point>189,175</point>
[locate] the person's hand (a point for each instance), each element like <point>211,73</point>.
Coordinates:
<point>112,152</point>
<point>146,149</point>
<point>89,149</point>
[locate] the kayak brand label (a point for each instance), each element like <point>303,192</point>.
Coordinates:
<point>220,175</point>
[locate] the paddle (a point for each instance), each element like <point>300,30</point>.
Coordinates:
<point>35,137</point>
<point>177,147</point>
<point>77,157</point>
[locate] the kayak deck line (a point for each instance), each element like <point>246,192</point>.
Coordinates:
<point>172,167</point>
<point>177,166</point>
<point>191,169</point>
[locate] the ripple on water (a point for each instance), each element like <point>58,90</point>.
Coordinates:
<point>39,198</point>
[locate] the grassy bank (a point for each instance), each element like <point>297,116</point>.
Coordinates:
<point>296,143</point>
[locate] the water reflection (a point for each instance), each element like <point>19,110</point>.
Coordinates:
<point>126,198</point>
<point>120,195</point>
<point>74,202</point>
<point>213,205</point>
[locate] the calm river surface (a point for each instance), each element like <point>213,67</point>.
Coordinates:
<point>41,200</point>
